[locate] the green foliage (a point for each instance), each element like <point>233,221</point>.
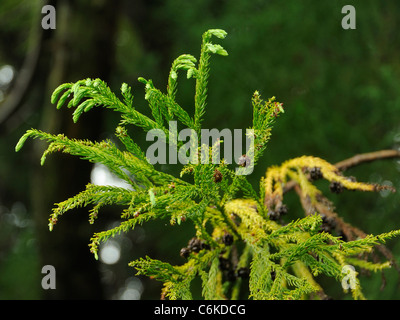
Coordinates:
<point>239,236</point>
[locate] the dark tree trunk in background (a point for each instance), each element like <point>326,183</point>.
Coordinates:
<point>81,47</point>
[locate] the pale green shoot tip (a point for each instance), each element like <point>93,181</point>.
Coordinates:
<point>21,141</point>
<point>219,33</point>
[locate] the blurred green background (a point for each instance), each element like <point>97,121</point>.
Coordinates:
<point>340,90</point>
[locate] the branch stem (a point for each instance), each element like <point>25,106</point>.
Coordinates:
<point>356,160</point>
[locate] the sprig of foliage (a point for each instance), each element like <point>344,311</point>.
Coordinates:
<point>240,235</point>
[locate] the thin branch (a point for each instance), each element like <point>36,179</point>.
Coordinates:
<point>367,157</point>
<point>356,160</point>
